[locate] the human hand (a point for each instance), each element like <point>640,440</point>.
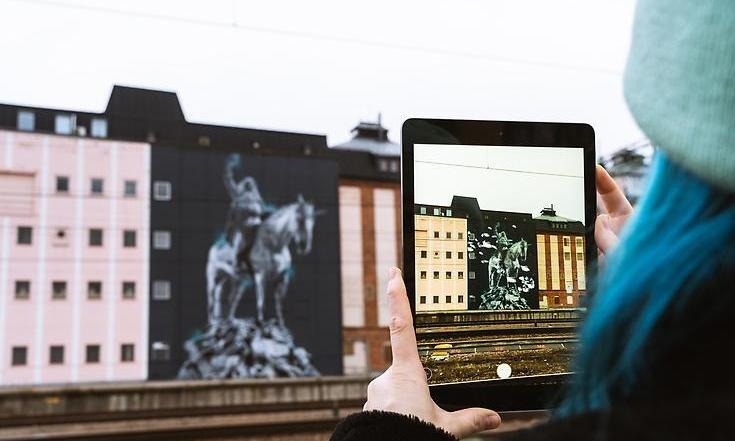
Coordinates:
<point>403,387</point>
<point>617,212</point>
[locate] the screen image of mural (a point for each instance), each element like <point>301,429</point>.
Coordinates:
<point>252,268</point>
<point>500,259</point>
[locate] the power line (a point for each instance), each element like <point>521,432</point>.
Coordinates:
<point>502,169</point>
<point>234,24</point>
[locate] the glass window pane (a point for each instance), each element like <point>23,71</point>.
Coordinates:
<point>26,120</point>
<point>99,128</point>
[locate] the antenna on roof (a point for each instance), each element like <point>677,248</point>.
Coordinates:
<point>380,126</point>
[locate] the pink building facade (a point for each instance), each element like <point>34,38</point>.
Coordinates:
<point>74,248</point>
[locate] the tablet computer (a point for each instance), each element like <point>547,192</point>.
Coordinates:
<point>498,244</point>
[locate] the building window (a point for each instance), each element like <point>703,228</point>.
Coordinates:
<point>131,188</point>
<point>161,290</point>
<point>62,184</point>
<point>460,299</point>
<point>580,256</point>
<point>56,355</point>
<point>436,254</point>
<point>394,166</point>
<point>460,275</point>
<point>98,128</point>
<point>448,254</point>
<point>449,212</point>
<point>92,354</point>
<point>19,356</point>
<point>127,352</point>
<point>25,235</point>
<point>162,240</point>
<point>422,210</point>
<point>436,274</point>
<point>26,120</point>
<point>471,275</point>
<point>448,299</point>
<point>94,290</point>
<point>459,235</point>
<point>556,300</point>
<point>436,235</point>
<point>162,190</point>
<point>566,241</point>
<point>160,351</point>
<point>423,254</point>
<point>471,255</point>
<point>567,255</point>
<point>437,212</point>
<point>22,289</point>
<point>422,300</point>
<point>65,124</point>
<point>97,185</point>
<point>129,238</point>
<point>449,235</point>
<point>448,275</point>
<point>95,237</point>
<point>423,274</point>
<point>58,290</point>
<point>383,165</point>
<point>128,290</point>
<point>460,254</point>
<point>436,299</point>
<point>578,241</point>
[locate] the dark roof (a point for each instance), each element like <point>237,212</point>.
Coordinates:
<point>549,221</point>
<point>156,117</point>
<point>135,102</point>
<point>372,138</point>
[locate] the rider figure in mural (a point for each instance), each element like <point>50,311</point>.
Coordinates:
<point>501,238</point>
<point>245,214</point>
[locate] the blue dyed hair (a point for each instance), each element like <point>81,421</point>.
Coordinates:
<point>669,279</point>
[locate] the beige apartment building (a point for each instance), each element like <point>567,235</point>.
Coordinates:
<point>441,260</point>
<point>561,261</point>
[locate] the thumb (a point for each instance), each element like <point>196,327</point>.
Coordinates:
<point>466,422</point>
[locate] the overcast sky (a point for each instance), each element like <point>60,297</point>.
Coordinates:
<point>321,66</point>
<point>516,179</point>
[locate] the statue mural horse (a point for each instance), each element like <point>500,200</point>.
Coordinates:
<point>270,257</point>
<point>518,252</point>
<point>268,262</point>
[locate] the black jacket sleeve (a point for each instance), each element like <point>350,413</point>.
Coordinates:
<point>387,426</point>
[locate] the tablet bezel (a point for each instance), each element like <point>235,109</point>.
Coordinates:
<point>519,393</point>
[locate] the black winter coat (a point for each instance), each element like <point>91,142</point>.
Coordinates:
<point>704,418</point>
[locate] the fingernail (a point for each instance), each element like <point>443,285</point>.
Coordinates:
<point>393,271</point>
<point>492,421</point>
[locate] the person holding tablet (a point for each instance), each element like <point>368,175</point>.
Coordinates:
<point>651,359</point>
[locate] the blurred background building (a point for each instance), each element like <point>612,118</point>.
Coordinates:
<point>106,221</point>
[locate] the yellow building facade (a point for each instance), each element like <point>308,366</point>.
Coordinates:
<point>560,242</point>
<point>441,261</point>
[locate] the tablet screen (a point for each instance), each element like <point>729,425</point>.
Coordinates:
<point>500,267</point>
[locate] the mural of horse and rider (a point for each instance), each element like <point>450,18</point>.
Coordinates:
<point>269,302</point>
<point>511,281</point>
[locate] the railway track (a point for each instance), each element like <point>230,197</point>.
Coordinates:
<point>480,346</point>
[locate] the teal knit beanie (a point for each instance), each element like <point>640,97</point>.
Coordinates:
<point>680,83</point>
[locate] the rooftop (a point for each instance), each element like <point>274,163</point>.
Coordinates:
<point>371,137</point>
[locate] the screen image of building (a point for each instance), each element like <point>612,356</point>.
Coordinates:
<point>113,219</point>
<point>496,256</point>
<point>441,263</point>
<point>561,260</point>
